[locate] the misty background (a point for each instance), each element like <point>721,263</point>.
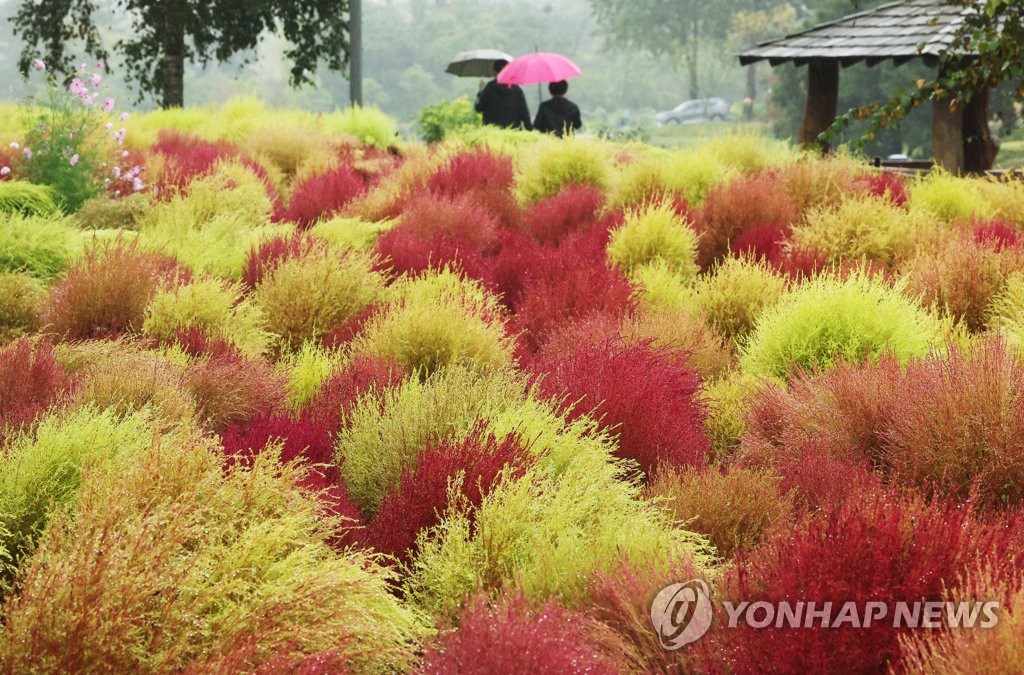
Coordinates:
<point>408,43</point>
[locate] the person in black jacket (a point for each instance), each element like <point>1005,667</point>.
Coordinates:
<point>503,105</point>
<point>558,115</point>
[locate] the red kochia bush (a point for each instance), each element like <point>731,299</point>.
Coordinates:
<point>523,639</point>
<point>877,547</point>
<point>403,252</point>
<point>31,381</point>
<point>421,498</point>
<point>461,218</point>
<point>998,234</point>
<point>339,393</point>
<point>639,393</point>
<point>106,293</point>
<point>186,157</point>
<point>263,259</point>
<point>323,195</point>
<point>765,241</point>
<point>732,208</point>
<point>574,208</point>
<point>483,177</point>
<point>887,184</point>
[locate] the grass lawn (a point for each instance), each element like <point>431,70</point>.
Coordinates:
<point>1011,155</point>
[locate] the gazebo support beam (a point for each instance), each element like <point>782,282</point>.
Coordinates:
<point>822,99</point>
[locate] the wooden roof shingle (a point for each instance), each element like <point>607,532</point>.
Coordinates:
<point>900,30</point>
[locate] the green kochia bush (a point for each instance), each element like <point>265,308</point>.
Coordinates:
<point>387,430</point>
<point>655,233</point>
<point>303,298</point>
<point>436,320</point>
<point>169,563</point>
<point>546,535</point>
<point>552,164</point>
<point>40,246</point>
<point>27,198</point>
<point>215,306</point>
<point>44,470</point>
<point>828,319</point>
<point>21,301</point>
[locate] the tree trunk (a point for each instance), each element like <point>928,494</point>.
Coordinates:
<point>355,52</point>
<point>173,66</point>
<point>822,99</point>
<point>980,149</point>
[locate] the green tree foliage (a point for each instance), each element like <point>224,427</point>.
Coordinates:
<point>675,29</point>
<point>165,34</point>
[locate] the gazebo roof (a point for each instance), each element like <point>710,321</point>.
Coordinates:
<point>900,30</point>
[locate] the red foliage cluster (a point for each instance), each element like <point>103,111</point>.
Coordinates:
<point>403,252</point>
<point>186,158</point>
<point>950,423</point>
<point>421,498</point>
<point>641,394</point>
<point>547,287</point>
<point>767,241</point>
<point>574,208</point>
<point>998,234</point>
<point>733,208</point>
<point>887,184</point>
<point>31,381</point>
<point>336,397</point>
<point>352,326</point>
<point>876,547</point>
<point>523,639</point>
<point>195,342</point>
<point>106,293</point>
<point>484,177</point>
<point>322,195</point>
<point>264,258</point>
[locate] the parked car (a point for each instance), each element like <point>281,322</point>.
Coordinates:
<point>696,110</point>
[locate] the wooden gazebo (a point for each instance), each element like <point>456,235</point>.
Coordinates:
<point>900,31</point>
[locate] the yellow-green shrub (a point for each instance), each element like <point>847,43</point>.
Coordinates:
<point>735,293</point>
<point>350,232</point>
<point>688,333</point>
<point>107,213</point>
<point>651,233</point>
<point>949,197</point>
<point>659,287</point>
<point>217,307</point>
<point>551,164</point>
<point>435,320</point>
<point>728,400</point>
<point>747,152</point>
<point>21,303</point>
<point>40,246</point>
<point>388,429</point>
<point>307,369</point>
<point>828,319</point>
<point>303,298</point>
<point>18,196</point>
<point>213,226</point>
<point>169,563</point>
<point>865,227</point>
<point>368,124</point>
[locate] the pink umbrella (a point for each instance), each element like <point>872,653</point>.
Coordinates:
<point>538,67</point>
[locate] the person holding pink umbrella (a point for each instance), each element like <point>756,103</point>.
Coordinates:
<point>503,105</point>
<point>558,115</point>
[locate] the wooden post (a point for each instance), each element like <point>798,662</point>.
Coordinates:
<point>822,99</point>
<point>948,136</point>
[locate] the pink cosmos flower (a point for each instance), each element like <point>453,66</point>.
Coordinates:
<point>124,155</point>
<point>28,153</point>
<point>14,145</point>
<point>78,88</point>
<point>116,172</point>
<point>124,116</point>
<point>99,65</point>
<point>108,104</point>
<point>108,126</point>
<point>74,160</point>
<point>96,79</point>
<point>39,65</point>
<point>137,184</point>
<point>5,171</point>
